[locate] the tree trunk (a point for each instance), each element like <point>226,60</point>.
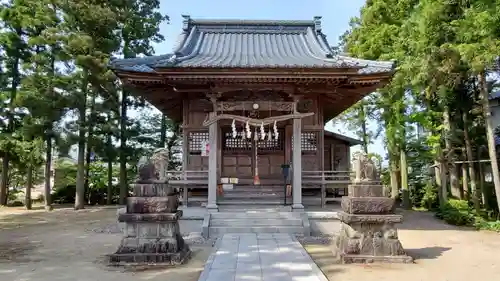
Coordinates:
<point>109,197</point>
<point>481,184</point>
<point>404,180</point>
<point>364,130</point>
<point>29,187</point>
<point>481,191</point>
<point>4,185</point>
<point>123,148</point>
<point>472,171</point>
<point>88,154</point>
<point>440,174</point>
<point>163,133</point>
<point>80,175</point>
<point>450,159</point>
<point>464,194</point>
<point>394,180</point>
<point>5,179</point>
<point>490,135</point>
<point>48,168</point>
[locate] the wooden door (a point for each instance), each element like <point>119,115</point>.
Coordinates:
<point>236,156</point>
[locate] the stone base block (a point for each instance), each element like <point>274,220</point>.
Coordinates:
<point>150,259</point>
<point>151,245</point>
<point>157,217</point>
<point>153,190</point>
<point>145,205</point>
<point>364,218</point>
<point>367,205</point>
<point>151,229</point>
<point>346,259</point>
<point>121,225</point>
<point>365,190</point>
<point>369,242</point>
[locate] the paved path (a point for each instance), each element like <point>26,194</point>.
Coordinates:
<point>260,257</point>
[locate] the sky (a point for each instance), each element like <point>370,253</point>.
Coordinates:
<point>336,15</point>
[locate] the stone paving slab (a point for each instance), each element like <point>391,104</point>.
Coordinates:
<point>260,257</point>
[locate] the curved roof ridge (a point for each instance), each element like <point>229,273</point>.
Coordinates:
<point>230,43</point>
<point>250,22</point>
<point>389,63</point>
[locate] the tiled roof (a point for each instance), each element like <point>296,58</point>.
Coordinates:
<point>347,139</point>
<point>494,95</point>
<point>251,44</point>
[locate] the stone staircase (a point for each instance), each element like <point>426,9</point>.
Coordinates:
<point>255,221</point>
<point>250,195</point>
<point>255,209</point>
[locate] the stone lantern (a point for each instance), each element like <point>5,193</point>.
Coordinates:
<point>151,234</point>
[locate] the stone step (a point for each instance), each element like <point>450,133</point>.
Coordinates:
<point>257,214</point>
<point>251,222</point>
<point>254,208</point>
<point>215,231</point>
<point>254,202</point>
<point>253,189</point>
<point>249,196</point>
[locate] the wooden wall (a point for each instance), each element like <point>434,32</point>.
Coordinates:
<point>316,154</point>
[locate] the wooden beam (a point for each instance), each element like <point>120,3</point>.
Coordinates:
<point>256,122</point>
<point>248,106</point>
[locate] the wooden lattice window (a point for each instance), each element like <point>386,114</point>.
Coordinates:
<point>309,141</point>
<point>195,140</point>
<point>237,144</point>
<point>272,145</point>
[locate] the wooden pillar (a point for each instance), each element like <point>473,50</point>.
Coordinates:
<point>185,149</point>
<point>321,151</point>
<point>185,159</point>
<point>332,157</point>
<point>297,165</point>
<point>288,143</point>
<point>212,166</point>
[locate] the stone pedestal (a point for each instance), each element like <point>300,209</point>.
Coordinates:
<point>368,232</point>
<point>151,228</point>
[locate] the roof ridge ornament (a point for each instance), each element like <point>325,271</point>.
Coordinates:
<point>317,23</point>
<point>185,22</point>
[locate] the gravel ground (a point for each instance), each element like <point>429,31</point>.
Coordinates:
<point>441,252</point>
<point>71,245</point>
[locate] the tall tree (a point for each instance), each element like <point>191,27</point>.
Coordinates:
<point>139,25</point>
<point>45,84</point>
<point>91,41</point>
<point>479,44</point>
<point>14,16</point>
<point>358,117</point>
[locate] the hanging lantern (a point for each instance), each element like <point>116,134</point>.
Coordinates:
<point>262,132</point>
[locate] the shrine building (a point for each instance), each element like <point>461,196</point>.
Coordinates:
<point>246,91</point>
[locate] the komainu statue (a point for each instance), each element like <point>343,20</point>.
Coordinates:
<point>154,167</point>
<point>364,167</point>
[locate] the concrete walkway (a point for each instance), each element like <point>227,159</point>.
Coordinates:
<point>260,257</point>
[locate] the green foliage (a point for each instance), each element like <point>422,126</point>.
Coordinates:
<point>426,196</point>
<point>457,212</point>
<point>460,213</point>
<point>65,174</point>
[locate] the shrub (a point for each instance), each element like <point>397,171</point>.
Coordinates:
<point>64,194</point>
<point>429,197</point>
<point>457,212</point>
